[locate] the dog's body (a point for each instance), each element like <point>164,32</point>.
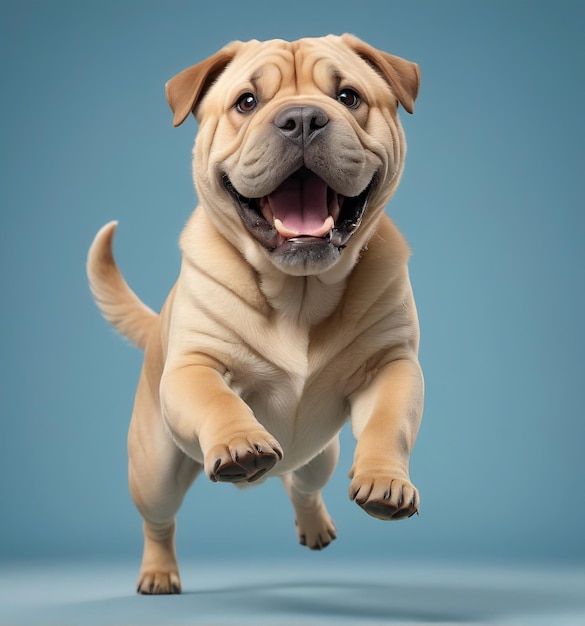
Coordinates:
<point>293,311</point>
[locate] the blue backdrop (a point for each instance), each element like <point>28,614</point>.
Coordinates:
<point>491,203</point>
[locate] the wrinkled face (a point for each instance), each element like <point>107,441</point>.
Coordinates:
<point>299,149</point>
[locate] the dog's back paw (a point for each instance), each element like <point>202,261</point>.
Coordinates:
<point>153,582</point>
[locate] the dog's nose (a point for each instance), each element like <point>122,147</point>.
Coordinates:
<point>301,124</point>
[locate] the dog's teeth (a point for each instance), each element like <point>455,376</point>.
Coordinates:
<point>265,209</point>
<point>333,206</point>
<point>283,230</point>
<point>335,238</point>
<point>327,226</point>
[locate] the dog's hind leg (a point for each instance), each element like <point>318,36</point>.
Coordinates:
<point>315,528</point>
<point>159,476</point>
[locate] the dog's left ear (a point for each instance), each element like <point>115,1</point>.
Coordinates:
<point>402,75</point>
<point>185,90</point>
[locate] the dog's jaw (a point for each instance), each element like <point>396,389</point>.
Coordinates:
<point>296,244</point>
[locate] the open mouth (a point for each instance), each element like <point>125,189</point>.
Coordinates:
<point>302,209</point>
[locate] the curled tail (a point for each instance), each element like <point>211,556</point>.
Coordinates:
<point>117,302</point>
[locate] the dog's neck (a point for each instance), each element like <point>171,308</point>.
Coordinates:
<point>305,299</point>
<point>310,300</point>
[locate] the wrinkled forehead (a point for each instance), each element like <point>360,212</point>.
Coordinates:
<point>303,67</point>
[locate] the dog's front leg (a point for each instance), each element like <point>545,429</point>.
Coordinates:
<point>385,418</point>
<point>206,418</point>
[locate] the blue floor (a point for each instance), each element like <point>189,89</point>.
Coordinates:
<point>294,594</point>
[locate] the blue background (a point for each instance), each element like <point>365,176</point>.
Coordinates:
<point>491,203</point>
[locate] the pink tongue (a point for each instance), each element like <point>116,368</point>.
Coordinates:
<point>301,205</point>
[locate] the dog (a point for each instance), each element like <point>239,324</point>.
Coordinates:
<point>293,311</point>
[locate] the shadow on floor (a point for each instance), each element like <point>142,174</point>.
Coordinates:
<point>307,602</point>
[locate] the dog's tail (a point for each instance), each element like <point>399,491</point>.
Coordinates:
<point>117,302</point>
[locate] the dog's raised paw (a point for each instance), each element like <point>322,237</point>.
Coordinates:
<point>384,497</point>
<point>249,467</point>
<point>245,459</point>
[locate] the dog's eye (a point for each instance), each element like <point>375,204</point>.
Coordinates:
<point>349,98</point>
<point>246,103</point>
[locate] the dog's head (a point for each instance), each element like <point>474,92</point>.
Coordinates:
<point>299,145</point>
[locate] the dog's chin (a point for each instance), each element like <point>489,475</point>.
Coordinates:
<point>298,253</point>
<point>305,256</point>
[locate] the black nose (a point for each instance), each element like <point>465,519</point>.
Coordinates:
<point>301,124</point>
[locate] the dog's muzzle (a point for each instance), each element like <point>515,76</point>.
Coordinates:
<point>303,221</point>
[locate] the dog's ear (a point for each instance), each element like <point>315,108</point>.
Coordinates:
<point>402,75</point>
<point>185,90</point>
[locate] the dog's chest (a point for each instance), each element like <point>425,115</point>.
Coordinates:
<point>296,391</point>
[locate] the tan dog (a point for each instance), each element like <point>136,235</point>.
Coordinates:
<point>293,311</point>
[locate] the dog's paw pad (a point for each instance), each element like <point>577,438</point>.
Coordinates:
<point>383,510</point>
<point>385,498</point>
<point>248,468</point>
<point>244,461</point>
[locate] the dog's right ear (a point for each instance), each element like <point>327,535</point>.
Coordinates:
<point>402,75</point>
<point>185,90</point>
